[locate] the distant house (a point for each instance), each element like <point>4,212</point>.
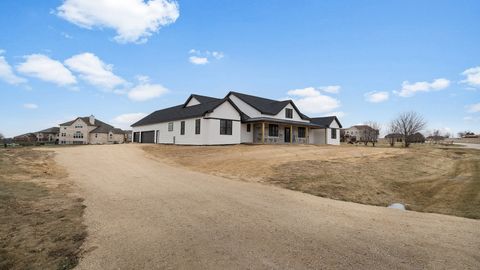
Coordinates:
<point>48,135</point>
<point>88,130</point>
<point>395,137</point>
<point>236,118</point>
<point>360,133</point>
<point>25,138</point>
<point>414,138</point>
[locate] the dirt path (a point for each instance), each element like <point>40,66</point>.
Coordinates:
<point>470,145</point>
<point>143,214</point>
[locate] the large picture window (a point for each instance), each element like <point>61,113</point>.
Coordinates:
<point>197,126</point>
<point>301,132</point>
<point>225,127</point>
<point>288,113</point>
<point>272,130</point>
<point>78,135</point>
<point>334,133</point>
<point>182,128</point>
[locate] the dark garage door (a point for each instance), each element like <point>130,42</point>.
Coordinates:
<point>147,136</point>
<point>136,137</point>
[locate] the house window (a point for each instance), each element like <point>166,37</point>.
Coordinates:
<point>78,126</point>
<point>111,135</point>
<point>182,128</point>
<point>272,130</point>
<point>301,132</point>
<point>64,134</point>
<point>170,126</point>
<point>197,126</point>
<point>334,133</point>
<point>248,127</point>
<point>78,135</point>
<point>225,127</point>
<point>288,113</point>
<point>96,135</point>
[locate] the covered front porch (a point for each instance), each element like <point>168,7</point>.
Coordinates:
<point>273,131</point>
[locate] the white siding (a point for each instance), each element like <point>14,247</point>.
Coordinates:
<point>317,136</point>
<point>192,102</point>
<point>335,126</point>
<point>244,107</point>
<point>246,137</point>
<point>209,129</point>
<point>296,116</point>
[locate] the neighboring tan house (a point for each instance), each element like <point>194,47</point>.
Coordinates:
<point>414,138</point>
<point>236,118</point>
<point>88,130</point>
<point>360,133</point>
<point>25,138</point>
<point>48,135</point>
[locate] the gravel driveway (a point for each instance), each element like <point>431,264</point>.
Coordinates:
<point>143,214</point>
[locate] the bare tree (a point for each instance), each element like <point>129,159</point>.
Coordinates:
<point>371,135</point>
<point>407,124</point>
<point>392,131</point>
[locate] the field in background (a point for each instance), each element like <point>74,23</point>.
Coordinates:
<point>427,178</point>
<point>40,218</point>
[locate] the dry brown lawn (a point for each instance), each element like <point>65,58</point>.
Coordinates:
<point>426,178</point>
<point>40,217</point>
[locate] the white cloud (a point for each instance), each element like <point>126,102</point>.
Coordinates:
<point>94,71</point>
<point>218,55</point>
<point>6,72</point>
<point>473,76</point>
<point>30,106</point>
<point>310,100</point>
<point>133,20</point>
<point>202,58</point>
<point>376,97</point>
<point>409,89</point>
<point>337,114</point>
<point>474,108</point>
<point>145,91</point>
<point>332,89</point>
<point>304,92</point>
<point>42,67</point>
<point>127,119</point>
<point>198,60</point>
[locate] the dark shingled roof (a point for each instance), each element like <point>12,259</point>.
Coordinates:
<point>201,99</point>
<point>102,127</point>
<point>107,129</point>
<point>265,105</point>
<point>325,121</point>
<point>86,119</point>
<point>50,130</point>
<point>180,112</point>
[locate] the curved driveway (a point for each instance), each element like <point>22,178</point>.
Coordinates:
<point>142,214</point>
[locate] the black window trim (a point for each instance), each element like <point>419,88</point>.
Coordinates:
<point>198,123</point>
<point>273,130</point>
<point>182,128</point>
<point>288,113</point>
<point>226,127</point>
<point>302,134</point>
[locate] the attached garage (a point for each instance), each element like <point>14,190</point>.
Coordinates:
<point>147,136</point>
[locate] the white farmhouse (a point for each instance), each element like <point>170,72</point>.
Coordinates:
<point>234,119</point>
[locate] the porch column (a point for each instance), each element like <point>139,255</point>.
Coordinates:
<point>263,132</point>
<point>308,138</point>
<point>291,133</point>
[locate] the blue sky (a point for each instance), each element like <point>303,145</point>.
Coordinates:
<point>361,60</point>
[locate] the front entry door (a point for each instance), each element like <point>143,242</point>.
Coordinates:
<point>287,135</point>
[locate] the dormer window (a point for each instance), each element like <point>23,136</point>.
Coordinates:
<point>288,113</point>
